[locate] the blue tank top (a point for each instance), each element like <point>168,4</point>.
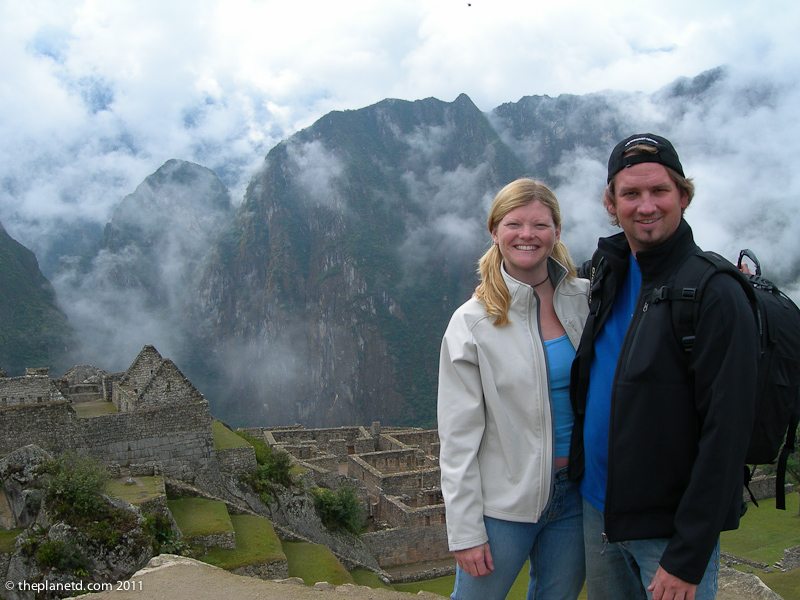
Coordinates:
<point>560,354</point>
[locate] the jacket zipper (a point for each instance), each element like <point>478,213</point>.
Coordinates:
<point>629,342</point>
<point>544,498</point>
<point>636,321</point>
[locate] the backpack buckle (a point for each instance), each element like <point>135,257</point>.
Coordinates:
<point>659,294</point>
<point>687,342</point>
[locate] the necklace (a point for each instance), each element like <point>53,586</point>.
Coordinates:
<point>542,281</point>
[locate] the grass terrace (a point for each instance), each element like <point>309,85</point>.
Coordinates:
<point>198,516</point>
<point>141,490</point>
<point>95,408</point>
<point>256,543</point>
<point>224,438</point>
<point>314,562</point>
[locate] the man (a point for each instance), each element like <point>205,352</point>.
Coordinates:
<point>660,433</point>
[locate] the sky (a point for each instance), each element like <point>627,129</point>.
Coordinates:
<point>95,95</point>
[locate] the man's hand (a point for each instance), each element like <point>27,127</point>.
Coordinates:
<point>476,561</point>
<point>668,587</point>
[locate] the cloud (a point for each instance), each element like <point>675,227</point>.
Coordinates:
<point>317,171</point>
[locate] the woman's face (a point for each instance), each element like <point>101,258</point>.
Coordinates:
<point>526,237</point>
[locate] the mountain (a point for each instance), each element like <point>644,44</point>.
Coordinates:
<point>136,288</point>
<point>34,332</point>
<point>352,247</point>
<point>321,299</point>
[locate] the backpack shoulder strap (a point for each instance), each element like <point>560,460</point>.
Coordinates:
<point>685,290</point>
<point>783,458</point>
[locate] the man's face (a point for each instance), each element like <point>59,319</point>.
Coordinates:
<point>647,204</point>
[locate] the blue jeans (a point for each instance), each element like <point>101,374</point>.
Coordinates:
<point>554,546</point>
<point>624,569</point>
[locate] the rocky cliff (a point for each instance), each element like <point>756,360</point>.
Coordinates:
<point>34,332</point>
<point>353,245</point>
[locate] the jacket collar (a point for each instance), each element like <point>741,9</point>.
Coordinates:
<point>655,261</point>
<point>555,270</point>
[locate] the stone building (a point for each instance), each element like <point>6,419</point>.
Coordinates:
<point>35,387</point>
<point>159,419</point>
<point>151,418</point>
<point>397,470</point>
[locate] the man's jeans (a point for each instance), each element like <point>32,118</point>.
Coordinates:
<point>625,569</point>
<point>554,546</point>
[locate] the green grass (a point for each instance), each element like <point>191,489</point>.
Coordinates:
<point>256,543</point>
<point>94,408</point>
<point>368,578</point>
<point>7,539</point>
<point>198,516</point>
<point>786,585</point>
<point>224,438</point>
<point>143,489</point>
<point>764,531</point>
<point>444,586</point>
<point>441,585</point>
<point>313,563</point>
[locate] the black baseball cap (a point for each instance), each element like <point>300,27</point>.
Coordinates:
<point>665,154</point>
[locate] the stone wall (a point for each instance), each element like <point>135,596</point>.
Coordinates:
<point>29,389</point>
<point>393,484</point>
<point>51,426</point>
<point>238,461</point>
<point>142,368</point>
<point>427,440</point>
<point>340,441</point>
<point>327,462</point>
<point>396,461</point>
<point>177,437</point>
<point>397,512</point>
<point>85,392</point>
<point>167,386</point>
<point>278,569</point>
<point>225,540</point>
<point>404,546</point>
<point>764,487</point>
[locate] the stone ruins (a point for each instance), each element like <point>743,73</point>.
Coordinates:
<point>151,419</point>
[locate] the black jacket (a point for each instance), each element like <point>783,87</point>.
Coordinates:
<point>680,423</point>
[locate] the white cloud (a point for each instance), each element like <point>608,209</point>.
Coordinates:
<point>318,170</point>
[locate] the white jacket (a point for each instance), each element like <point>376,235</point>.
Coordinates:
<point>494,417</point>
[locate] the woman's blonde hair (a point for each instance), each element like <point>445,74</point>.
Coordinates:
<point>492,290</point>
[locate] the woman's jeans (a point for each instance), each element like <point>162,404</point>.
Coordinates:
<point>554,546</point>
<point>617,570</point>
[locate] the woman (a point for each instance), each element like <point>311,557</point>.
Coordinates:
<point>504,414</point>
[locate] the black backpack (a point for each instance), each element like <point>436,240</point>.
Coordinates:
<point>778,319</point>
